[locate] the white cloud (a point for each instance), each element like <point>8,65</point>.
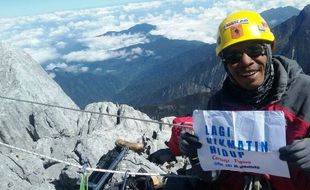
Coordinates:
<point>25,38</point>
<point>135,53</point>
<point>26,42</point>
<point>52,66</point>
<point>61,45</point>
<point>52,75</point>
<point>6,24</point>
<point>137,50</point>
<point>44,36</point>
<point>185,27</point>
<point>114,42</point>
<point>102,48</point>
<point>59,31</point>
<point>84,69</point>
<point>102,55</point>
<point>90,56</point>
<point>149,53</point>
<point>192,10</point>
<point>281,3</point>
<point>78,68</point>
<point>42,54</point>
<point>98,69</point>
<point>187,1</point>
<point>142,6</point>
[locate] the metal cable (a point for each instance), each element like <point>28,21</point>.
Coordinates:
<point>88,168</point>
<point>93,169</point>
<point>92,112</point>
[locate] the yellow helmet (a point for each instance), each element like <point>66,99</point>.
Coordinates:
<point>242,26</point>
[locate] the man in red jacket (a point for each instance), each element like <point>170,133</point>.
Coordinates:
<point>258,80</point>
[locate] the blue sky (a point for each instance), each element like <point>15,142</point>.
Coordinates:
<point>14,8</point>
<point>70,36</point>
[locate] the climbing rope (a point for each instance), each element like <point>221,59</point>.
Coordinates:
<point>92,112</point>
<point>93,169</point>
<point>89,168</point>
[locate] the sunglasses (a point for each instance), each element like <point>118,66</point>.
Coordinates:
<point>234,56</point>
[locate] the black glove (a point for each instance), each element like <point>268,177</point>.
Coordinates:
<point>297,154</point>
<point>161,156</point>
<point>206,176</point>
<point>189,144</point>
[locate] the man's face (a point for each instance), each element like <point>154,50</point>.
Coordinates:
<point>246,63</point>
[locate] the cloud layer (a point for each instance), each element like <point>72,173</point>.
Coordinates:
<point>66,37</point>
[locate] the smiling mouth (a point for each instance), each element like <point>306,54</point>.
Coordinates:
<point>248,74</point>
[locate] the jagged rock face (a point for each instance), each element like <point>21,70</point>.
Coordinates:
<point>293,38</point>
<point>278,15</point>
<point>103,130</point>
<point>23,78</point>
<point>32,127</point>
<point>68,135</point>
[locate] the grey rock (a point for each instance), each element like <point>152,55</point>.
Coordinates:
<point>71,135</point>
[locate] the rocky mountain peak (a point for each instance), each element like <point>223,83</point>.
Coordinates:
<point>142,28</point>
<point>293,38</point>
<point>279,15</point>
<point>74,136</point>
<point>22,77</point>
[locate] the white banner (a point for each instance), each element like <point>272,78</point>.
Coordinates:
<point>246,141</point>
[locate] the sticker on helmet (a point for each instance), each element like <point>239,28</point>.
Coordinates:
<point>262,27</point>
<point>265,25</point>
<point>236,31</point>
<point>239,21</point>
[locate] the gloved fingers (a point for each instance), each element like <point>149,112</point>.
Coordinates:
<point>297,154</point>
<point>185,146</point>
<point>191,139</point>
<point>185,135</point>
<point>303,161</point>
<point>187,149</point>
<point>161,156</point>
<point>296,146</point>
<point>293,160</point>
<point>299,144</point>
<point>184,143</point>
<point>303,164</point>
<point>294,156</point>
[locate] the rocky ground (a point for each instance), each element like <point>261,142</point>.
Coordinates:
<point>70,135</point>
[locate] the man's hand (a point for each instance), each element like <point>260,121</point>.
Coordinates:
<point>189,144</point>
<point>297,154</point>
<point>161,156</point>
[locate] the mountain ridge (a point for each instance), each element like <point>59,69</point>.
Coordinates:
<point>288,40</point>
<point>41,122</point>
<point>279,15</point>
<point>142,28</point>
<point>127,73</point>
<point>148,81</point>
<point>295,38</point>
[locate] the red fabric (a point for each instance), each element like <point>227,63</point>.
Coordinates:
<point>173,142</point>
